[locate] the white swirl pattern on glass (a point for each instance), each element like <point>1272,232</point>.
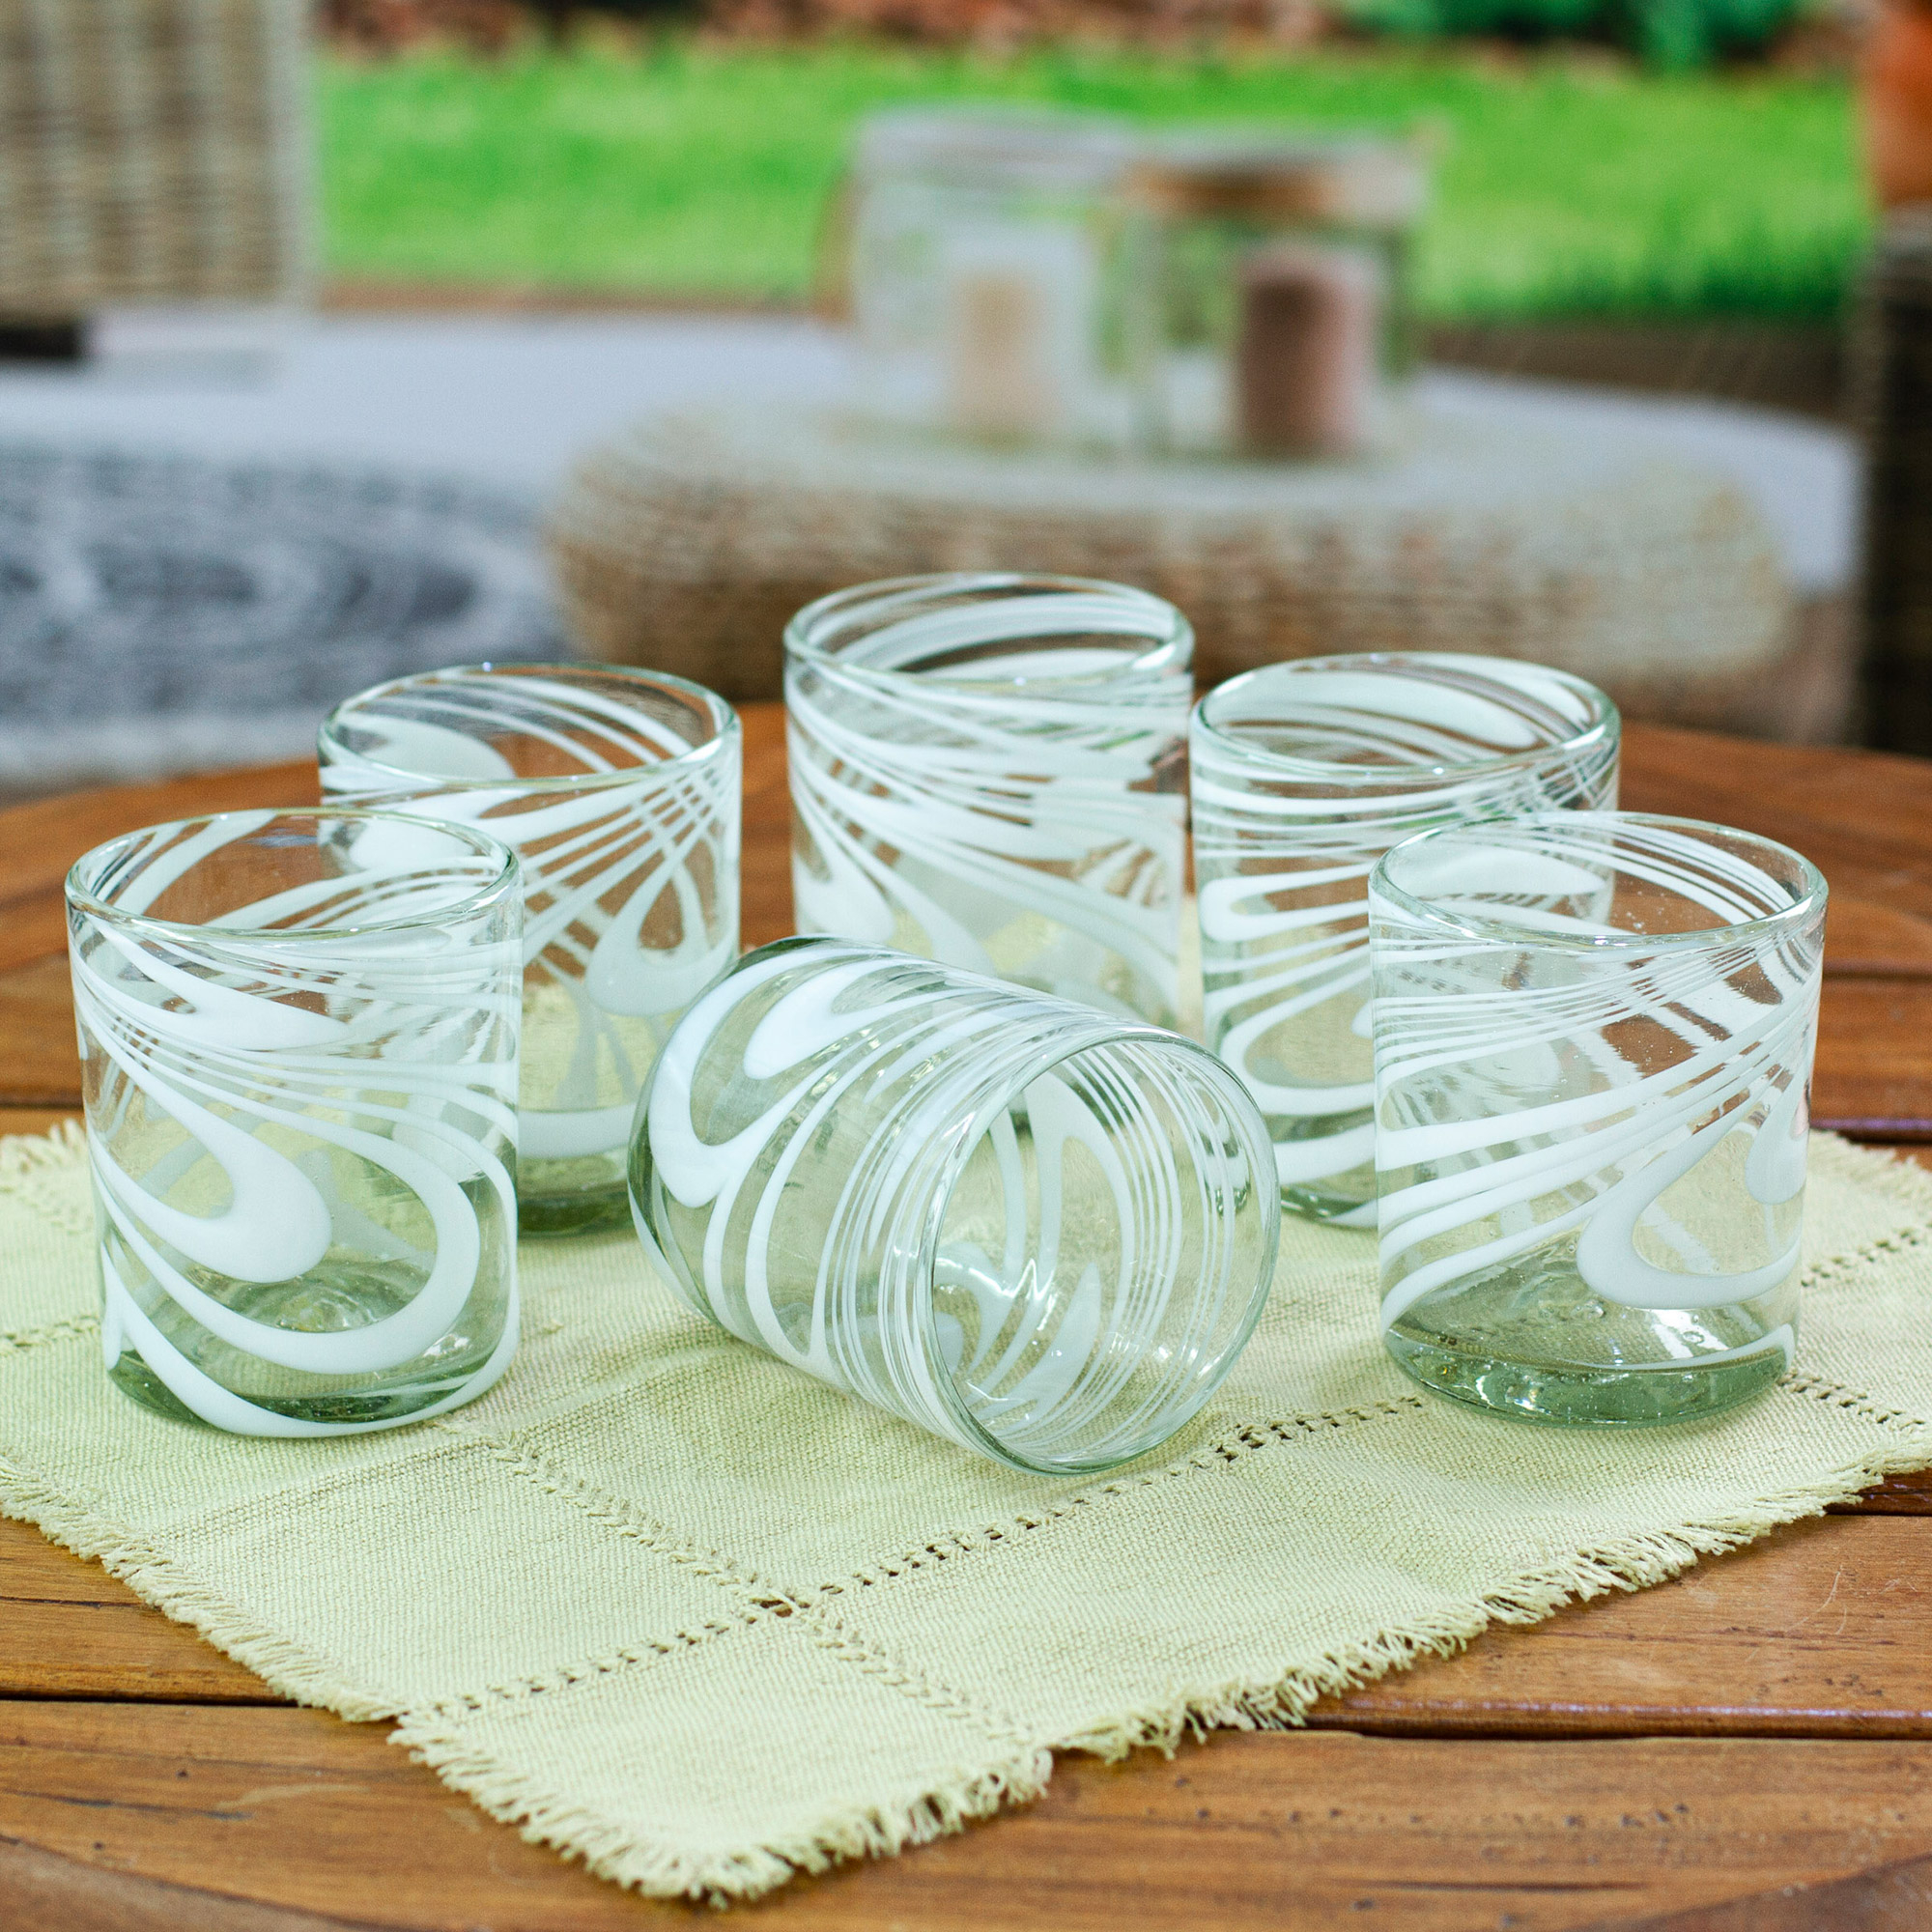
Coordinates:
<point>1519,1107</point>
<point>1301,777</point>
<point>630,857</point>
<point>1031,1228</point>
<point>339,1014</point>
<point>986,770</point>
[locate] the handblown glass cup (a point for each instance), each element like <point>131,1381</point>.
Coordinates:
<point>1033,1229</point>
<point>1303,775</point>
<point>298,1051</point>
<point>1593,1056</point>
<point>620,791</point>
<point>987,770</point>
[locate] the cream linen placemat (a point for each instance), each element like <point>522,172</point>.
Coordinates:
<point>685,1613</point>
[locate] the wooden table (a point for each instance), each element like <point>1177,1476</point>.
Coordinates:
<point>1747,1747</point>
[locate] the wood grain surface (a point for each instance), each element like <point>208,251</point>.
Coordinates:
<point>1747,1748</point>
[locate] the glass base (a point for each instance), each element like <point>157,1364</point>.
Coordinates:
<point>132,1377</point>
<point>1315,1203</point>
<point>1575,1397</point>
<point>1530,1338</point>
<point>590,1210</point>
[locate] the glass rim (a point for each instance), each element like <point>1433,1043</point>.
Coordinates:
<point>1169,640</point>
<point>506,879</point>
<point>1604,721</point>
<point>1809,904</point>
<point>728,728</point>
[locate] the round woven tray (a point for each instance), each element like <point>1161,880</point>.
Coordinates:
<point>688,542</point>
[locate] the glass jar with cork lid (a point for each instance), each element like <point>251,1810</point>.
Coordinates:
<point>988,273</point>
<point>1270,313</point>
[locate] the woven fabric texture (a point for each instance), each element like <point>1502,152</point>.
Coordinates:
<point>684,1613</point>
<point>152,150</point>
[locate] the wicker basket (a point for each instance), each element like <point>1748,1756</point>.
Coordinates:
<point>1892,394</point>
<point>151,151</point>
<point>688,543</point>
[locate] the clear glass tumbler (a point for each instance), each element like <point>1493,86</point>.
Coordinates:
<point>1303,775</point>
<point>1033,1229</point>
<point>619,790</point>
<point>988,770</point>
<point>1269,313</point>
<point>298,1051</point>
<point>989,276</point>
<point>1593,1057</point>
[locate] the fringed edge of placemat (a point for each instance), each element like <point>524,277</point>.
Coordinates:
<point>152,1573</point>
<point>546,1816</point>
<point>28,1161</point>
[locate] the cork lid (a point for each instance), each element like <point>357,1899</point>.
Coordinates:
<point>1347,179</point>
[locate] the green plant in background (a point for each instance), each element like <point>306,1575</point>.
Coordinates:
<point>689,169</point>
<point>1668,35</point>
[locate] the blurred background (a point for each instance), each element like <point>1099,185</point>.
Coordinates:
<point>340,341</point>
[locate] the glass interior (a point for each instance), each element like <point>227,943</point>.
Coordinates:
<point>1103,1255</point>
<point>991,630</point>
<point>1599,876</point>
<point>291,872</point>
<point>526,724</point>
<point>1365,720</point>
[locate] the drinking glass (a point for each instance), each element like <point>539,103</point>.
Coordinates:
<point>620,791</point>
<point>1270,312</point>
<point>1593,1054</point>
<point>987,770</point>
<point>1033,1229</point>
<point>1303,774</point>
<point>988,274</point>
<point>298,1051</point>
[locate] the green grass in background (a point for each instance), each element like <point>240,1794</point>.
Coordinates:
<point>689,169</point>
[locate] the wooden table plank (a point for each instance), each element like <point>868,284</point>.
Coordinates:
<point>1860,817</point>
<point>40,842</point>
<point>1894,1895</point>
<point>70,1630</point>
<point>1308,1830</point>
<point>1897,1496</point>
<point>1822,1630</point>
<point>288,1807</point>
<point>1873,1077</point>
<point>39,1064</point>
